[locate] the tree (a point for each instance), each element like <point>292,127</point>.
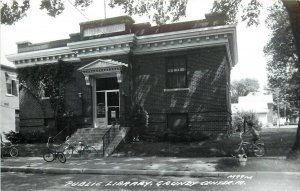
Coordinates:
<point>51,79</point>
<point>160,11</point>
<point>293,9</point>
<point>250,14</point>
<point>242,88</point>
<point>282,65</point>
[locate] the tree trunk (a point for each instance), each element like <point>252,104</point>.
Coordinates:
<point>293,9</point>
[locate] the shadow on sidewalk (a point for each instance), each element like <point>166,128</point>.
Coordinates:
<point>228,164</point>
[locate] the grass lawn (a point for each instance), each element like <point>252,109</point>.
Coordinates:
<point>278,142</point>
<point>31,150</point>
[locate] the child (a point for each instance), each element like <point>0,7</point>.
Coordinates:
<point>253,132</point>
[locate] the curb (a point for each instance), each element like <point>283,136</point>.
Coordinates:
<point>141,172</point>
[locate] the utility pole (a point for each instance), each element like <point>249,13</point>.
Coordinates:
<point>104,9</point>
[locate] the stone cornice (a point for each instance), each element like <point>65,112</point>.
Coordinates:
<point>191,33</point>
<point>23,64</point>
<point>124,44</point>
<point>179,44</point>
<point>103,47</point>
<point>193,38</point>
<point>42,57</point>
<point>39,54</point>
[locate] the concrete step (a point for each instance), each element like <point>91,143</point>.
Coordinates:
<point>116,141</point>
<point>93,137</point>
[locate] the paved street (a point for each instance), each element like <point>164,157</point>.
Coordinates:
<point>21,181</point>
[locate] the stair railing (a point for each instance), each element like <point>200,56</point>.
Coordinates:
<point>109,136</point>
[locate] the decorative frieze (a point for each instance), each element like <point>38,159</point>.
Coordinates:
<point>123,44</point>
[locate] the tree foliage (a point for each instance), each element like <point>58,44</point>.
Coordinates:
<point>242,88</point>
<point>13,12</point>
<point>160,11</point>
<point>250,10</point>
<point>51,78</point>
<point>283,77</point>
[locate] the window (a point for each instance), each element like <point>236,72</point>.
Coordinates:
<point>178,122</point>
<point>11,85</point>
<point>48,91</point>
<point>176,73</point>
<point>107,84</point>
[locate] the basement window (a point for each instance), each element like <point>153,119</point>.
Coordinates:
<point>178,122</point>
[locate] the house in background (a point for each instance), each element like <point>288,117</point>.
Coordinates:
<point>179,73</point>
<point>9,119</point>
<point>259,103</point>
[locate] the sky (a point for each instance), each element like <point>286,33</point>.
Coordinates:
<point>38,27</point>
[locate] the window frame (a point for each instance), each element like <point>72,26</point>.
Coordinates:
<point>11,82</point>
<point>168,75</point>
<point>44,91</point>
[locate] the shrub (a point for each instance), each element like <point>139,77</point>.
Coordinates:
<point>14,137</point>
<point>139,119</point>
<point>249,116</point>
<point>195,136</point>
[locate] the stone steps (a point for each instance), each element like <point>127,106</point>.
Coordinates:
<point>113,145</point>
<point>88,136</point>
<point>93,137</point>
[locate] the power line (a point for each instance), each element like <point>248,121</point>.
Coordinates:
<point>79,10</point>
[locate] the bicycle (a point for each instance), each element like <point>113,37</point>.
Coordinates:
<point>9,148</point>
<point>258,149</point>
<point>85,151</point>
<point>53,154</point>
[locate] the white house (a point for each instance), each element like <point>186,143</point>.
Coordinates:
<point>259,103</point>
<point>9,118</point>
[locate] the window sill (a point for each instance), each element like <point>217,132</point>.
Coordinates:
<point>46,98</point>
<point>10,95</point>
<point>176,89</point>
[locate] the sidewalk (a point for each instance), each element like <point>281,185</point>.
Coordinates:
<point>154,166</point>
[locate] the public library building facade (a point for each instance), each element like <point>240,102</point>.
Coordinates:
<point>179,73</point>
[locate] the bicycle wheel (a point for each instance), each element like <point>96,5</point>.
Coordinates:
<point>61,157</point>
<point>234,152</point>
<point>89,153</point>
<point>13,152</point>
<point>259,150</point>
<point>48,157</point>
<point>68,152</point>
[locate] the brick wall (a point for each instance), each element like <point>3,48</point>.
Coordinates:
<point>37,115</point>
<point>206,101</point>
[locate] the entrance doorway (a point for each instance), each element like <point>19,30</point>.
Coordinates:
<point>107,102</point>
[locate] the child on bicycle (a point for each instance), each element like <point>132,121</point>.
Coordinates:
<point>251,130</point>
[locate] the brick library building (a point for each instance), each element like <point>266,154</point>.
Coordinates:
<point>178,73</point>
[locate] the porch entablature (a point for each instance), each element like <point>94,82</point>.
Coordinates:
<point>102,68</point>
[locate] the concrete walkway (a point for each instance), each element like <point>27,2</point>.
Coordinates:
<point>155,166</point>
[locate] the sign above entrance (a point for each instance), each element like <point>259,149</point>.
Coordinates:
<point>103,30</point>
